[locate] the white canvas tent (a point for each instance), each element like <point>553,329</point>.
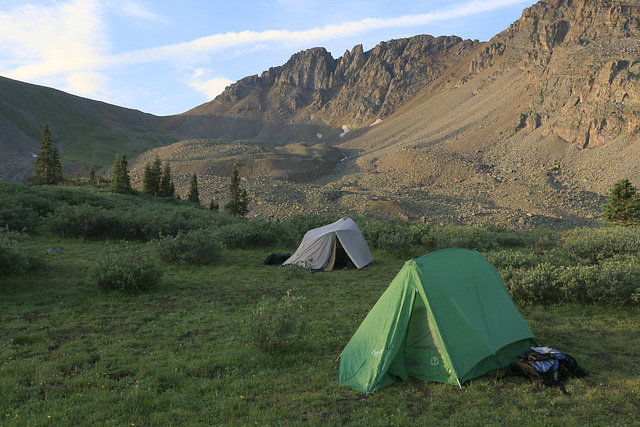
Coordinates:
<point>324,248</point>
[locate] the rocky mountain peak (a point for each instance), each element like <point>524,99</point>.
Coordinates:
<point>357,88</point>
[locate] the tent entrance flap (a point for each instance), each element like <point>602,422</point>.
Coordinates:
<point>332,258</point>
<point>339,258</point>
<point>423,353</point>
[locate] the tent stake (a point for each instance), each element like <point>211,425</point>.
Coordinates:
<point>459,385</point>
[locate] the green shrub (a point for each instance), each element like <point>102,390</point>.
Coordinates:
<point>596,244</point>
<point>277,324</point>
<point>514,258</point>
<point>17,217</point>
<point>394,237</point>
<point>613,282</point>
<point>87,222</point>
<point>126,270</point>
<point>453,236</point>
<point>152,222</point>
<point>131,221</point>
<point>195,247</point>
<point>21,208</point>
<point>16,256</point>
<point>537,284</point>
<point>247,233</point>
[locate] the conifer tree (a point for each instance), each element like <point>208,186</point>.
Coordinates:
<point>146,179</point>
<point>116,176</point>
<point>124,174</point>
<point>152,177</point>
<point>623,204</point>
<point>48,169</point>
<point>194,195</point>
<point>238,198</point>
<point>167,188</point>
<point>120,181</point>
<point>92,177</point>
<point>243,208</point>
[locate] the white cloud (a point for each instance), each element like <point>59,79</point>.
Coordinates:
<point>209,87</point>
<point>67,44</point>
<point>86,82</point>
<point>218,42</point>
<point>135,10</point>
<point>61,40</point>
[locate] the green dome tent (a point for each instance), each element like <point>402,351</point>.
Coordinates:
<point>446,317</point>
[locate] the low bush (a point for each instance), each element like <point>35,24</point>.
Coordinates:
<point>474,238</point>
<point>142,222</point>
<point>17,217</point>
<point>195,247</point>
<point>88,222</point>
<point>514,258</point>
<point>247,233</point>
<point>398,238</point>
<point>536,284</point>
<point>16,256</point>
<point>597,244</point>
<point>123,269</point>
<point>613,282</point>
<point>277,324</point>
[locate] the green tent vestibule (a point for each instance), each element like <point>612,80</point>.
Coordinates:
<point>446,317</point>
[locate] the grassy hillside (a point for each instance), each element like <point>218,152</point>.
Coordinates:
<point>181,352</point>
<point>85,131</point>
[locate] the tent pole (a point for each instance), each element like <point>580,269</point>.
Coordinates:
<point>459,385</point>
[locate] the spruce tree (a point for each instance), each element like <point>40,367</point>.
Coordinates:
<point>243,208</point>
<point>152,177</point>
<point>120,181</point>
<point>235,194</point>
<point>92,177</point>
<point>146,179</point>
<point>124,175</point>
<point>194,195</point>
<point>623,204</point>
<point>167,189</point>
<point>48,169</point>
<point>116,176</point>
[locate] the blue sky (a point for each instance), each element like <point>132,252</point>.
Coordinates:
<point>166,57</point>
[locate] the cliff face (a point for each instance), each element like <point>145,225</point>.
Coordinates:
<point>582,56</point>
<point>585,65</point>
<point>354,89</point>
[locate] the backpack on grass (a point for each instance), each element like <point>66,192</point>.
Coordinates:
<point>277,258</point>
<point>548,365</point>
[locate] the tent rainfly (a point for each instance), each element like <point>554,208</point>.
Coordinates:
<point>327,248</point>
<point>446,317</point>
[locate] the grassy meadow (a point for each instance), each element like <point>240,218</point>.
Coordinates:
<point>181,352</point>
